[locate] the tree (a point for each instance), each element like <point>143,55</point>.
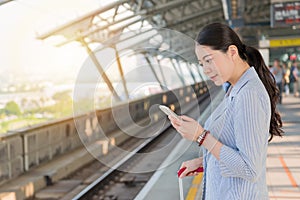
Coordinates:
<point>24,101</point>
<point>12,108</point>
<point>62,96</point>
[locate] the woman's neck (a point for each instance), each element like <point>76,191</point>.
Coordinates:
<point>240,68</point>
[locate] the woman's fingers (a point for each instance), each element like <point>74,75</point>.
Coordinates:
<point>191,167</point>
<point>187,127</point>
<point>186,118</point>
<point>175,121</point>
<point>188,173</point>
<point>193,174</point>
<point>173,118</point>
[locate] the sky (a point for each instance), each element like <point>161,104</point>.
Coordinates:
<point>24,58</point>
<point>23,55</point>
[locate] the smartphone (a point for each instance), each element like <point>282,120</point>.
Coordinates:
<point>168,111</point>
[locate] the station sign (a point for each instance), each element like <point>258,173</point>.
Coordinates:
<point>285,42</point>
<point>274,43</point>
<point>285,14</point>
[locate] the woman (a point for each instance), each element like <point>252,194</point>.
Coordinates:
<point>294,79</point>
<point>278,73</point>
<point>235,136</point>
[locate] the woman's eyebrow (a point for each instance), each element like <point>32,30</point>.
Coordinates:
<point>206,56</point>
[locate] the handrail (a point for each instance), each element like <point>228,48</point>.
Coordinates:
<point>29,147</point>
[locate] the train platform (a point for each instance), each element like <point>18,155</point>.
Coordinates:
<point>164,184</point>
<point>283,167</point>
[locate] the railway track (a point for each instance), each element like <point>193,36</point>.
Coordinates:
<point>117,183</point>
<point>121,181</point>
<point>130,170</point>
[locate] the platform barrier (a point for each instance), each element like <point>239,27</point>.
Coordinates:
<point>28,148</point>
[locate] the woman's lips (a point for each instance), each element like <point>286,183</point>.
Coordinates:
<point>213,77</point>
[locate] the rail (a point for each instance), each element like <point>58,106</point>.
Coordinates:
<point>27,148</point>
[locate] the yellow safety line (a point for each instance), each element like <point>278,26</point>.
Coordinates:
<point>194,188</point>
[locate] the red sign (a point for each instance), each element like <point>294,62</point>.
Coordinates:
<point>285,14</point>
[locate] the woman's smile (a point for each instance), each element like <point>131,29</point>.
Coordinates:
<point>214,77</point>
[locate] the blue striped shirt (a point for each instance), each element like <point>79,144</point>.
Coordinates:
<point>241,122</point>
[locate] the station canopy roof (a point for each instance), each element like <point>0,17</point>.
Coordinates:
<point>250,18</point>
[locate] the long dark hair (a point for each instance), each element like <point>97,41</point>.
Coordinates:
<point>219,37</point>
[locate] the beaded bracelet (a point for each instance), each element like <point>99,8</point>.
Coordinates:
<point>202,136</point>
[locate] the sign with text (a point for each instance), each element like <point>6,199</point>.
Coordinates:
<point>285,14</point>
<point>285,42</point>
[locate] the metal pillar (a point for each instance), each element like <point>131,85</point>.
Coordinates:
<point>191,72</point>
<point>154,73</point>
<point>180,69</point>
<point>198,70</point>
<point>161,71</point>
<point>100,69</point>
<point>178,74</point>
<point>121,72</point>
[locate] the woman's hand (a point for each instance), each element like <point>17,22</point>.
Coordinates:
<point>191,129</point>
<point>191,165</point>
<point>187,127</point>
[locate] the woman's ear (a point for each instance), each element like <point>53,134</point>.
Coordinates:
<point>232,51</point>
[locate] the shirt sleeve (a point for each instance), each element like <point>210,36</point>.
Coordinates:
<point>251,129</point>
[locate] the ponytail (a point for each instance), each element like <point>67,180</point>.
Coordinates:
<point>255,59</point>
<point>219,37</point>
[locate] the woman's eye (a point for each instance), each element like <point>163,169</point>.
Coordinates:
<point>208,61</point>
<point>201,64</point>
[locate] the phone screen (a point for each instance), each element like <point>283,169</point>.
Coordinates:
<point>168,111</point>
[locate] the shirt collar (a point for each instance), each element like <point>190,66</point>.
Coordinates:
<point>233,90</point>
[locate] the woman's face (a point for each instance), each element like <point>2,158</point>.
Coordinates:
<point>216,64</point>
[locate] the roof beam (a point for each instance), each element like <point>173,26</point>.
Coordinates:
<point>4,1</point>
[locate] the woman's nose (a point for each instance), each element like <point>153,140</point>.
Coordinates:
<point>206,69</point>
